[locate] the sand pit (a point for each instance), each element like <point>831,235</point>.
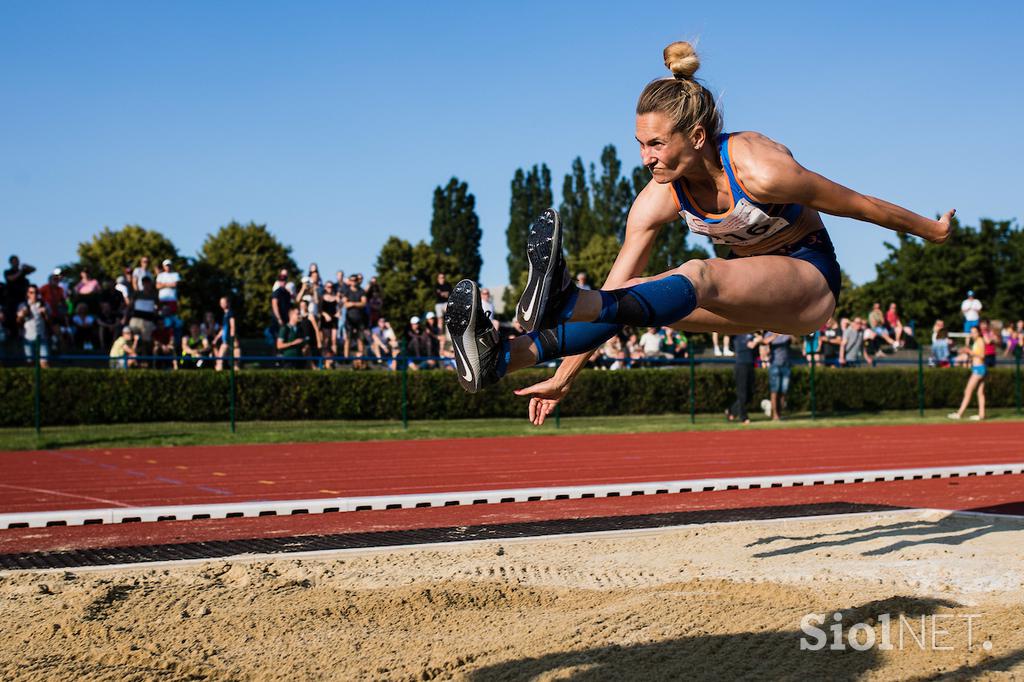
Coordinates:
<point>703,602</point>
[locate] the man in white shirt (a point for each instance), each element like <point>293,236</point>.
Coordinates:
<point>650,344</point>
<point>971,308</point>
<point>167,287</point>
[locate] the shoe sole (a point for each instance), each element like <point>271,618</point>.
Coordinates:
<point>460,322</point>
<point>543,245</point>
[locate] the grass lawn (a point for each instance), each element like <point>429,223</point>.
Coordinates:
<point>218,433</point>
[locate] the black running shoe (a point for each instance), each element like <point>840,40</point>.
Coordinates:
<point>474,337</point>
<point>549,285</point>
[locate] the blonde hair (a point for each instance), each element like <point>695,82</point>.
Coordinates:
<point>682,98</point>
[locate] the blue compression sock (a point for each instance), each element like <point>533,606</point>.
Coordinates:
<point>651,304</point>
<point>570,339</point>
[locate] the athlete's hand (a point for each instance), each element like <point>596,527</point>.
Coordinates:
<point>945,227</point>
<point>544,397</point>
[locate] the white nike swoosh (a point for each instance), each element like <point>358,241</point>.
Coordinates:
<point>528,311</point>
<point>468,376</point>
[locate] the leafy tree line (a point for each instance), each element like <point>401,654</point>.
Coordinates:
<point>928,281</point>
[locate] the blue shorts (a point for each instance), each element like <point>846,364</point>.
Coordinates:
<point>818,250</point>
<point>778,379</point>
<point>980,370</point>
<point>969,325</point>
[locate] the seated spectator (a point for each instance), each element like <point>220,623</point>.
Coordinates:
<point>384,344</point>
<point>876,329</point>
<point>581,281</point>
<point>292,342</point>
<point>674,343</point>
<point>650,345</point>
<point>124,290</point>
<point>418,345</point>
<point>163,342</point>
<point>195,348</point>
<point>86,329</point>
<point>123,351</point>
<point>1015,342</point>
<point>488,305</point>
<point>442,290</point>
<point>54,296</point>
<point>210,328</point>
<point>940,356</point>
<point>613,353</point>
<point>435,331</point>
<point>851,352</point>
<point>892,318</point>
<point>375,301</point>
<point>310,326</point>
<point>108,325</point>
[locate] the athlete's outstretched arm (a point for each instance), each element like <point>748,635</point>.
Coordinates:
<point>652,208</point>
<point>772,175</point>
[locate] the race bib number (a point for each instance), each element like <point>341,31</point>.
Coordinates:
<point>745,224</point>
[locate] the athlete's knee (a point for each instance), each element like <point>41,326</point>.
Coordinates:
<point>700,275</point>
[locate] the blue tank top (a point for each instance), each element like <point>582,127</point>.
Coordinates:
<point>747,222</point>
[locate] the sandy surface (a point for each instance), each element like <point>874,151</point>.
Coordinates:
<point>705,602</point>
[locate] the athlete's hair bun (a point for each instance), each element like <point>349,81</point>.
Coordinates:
<point>681,59</point>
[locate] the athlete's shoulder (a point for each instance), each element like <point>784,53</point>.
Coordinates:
<point>655,205</point>
<point>760,163</point>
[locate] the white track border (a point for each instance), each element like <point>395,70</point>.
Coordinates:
<point>117,515</point>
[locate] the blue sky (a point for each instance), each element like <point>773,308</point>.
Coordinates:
<point>333,122</point>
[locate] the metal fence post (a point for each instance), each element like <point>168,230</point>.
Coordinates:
<point>403,363</point>
<point>920,379</point>
<point>814,400</point>
<point>1017,379</point>
<point>693,387</point>
<point>37,388</point>
<point>231,354</point>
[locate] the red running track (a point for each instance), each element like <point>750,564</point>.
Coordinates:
<point>85,479</point>
<point>47,480</point>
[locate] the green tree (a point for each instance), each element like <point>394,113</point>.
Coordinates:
<point>242,262</point>
<point>407,275</point>
<point>612,195</point>
<point>574,211</point>
<point>531,194</point>
<point>596,258</point>
<point>109,252</point>
<point>455,227</point>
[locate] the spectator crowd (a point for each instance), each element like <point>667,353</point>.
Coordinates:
<point>322,322</point>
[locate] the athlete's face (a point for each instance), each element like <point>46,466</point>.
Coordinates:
<point>667,153</point>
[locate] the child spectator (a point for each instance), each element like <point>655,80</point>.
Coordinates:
<point>123,352</point>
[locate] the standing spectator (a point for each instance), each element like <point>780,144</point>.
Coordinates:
<point>831,340</point>
<point>55,297</point>
<point>725,349</point>
<point>851,352</point>
<point>488,306</point>
<point>778,372</point>
<point>971,308</point>
<point>991,340</point>
<point>228,334</point>
<point>85,328</point>
<point>355,319</point>
<point>108,324</point>
<point>374,301</point>
<point>311,330</point>
<point>167,286</point>
<point>291,341</point>
<point>142,316</point>
<point>892,318</point>
<point>210,327</point>
<point>125,290</point>
<point>16,290</point>
<point>280,303</point>
<point>87,290</point>
<point>33,318</point>
<point>329,305</point>
<point>123,350</point>
<point>812,347</point>
<point>581,281</point>
<point>743,374</point>
<point>442,290</point>
<point>341,287</point>
<point>976,345</point>
<point>142,270</point>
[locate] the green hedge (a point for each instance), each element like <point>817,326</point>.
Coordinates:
<point>85,396</point>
